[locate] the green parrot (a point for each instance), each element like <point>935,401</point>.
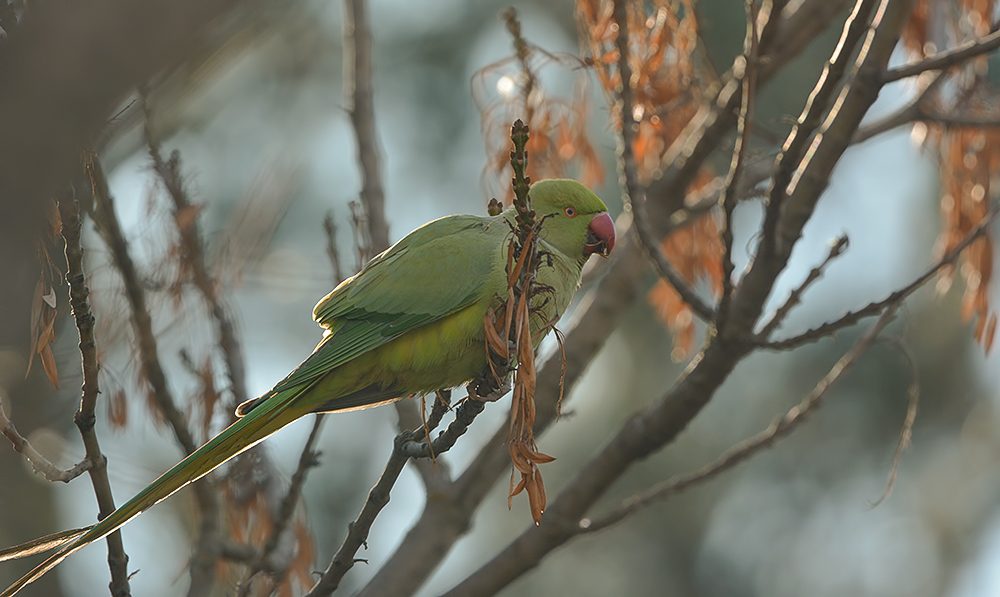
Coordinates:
<point>410,322</point>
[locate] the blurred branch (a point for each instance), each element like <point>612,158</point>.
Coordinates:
<point>360,105</point>
<point>906,433</point>
<point>779,428</point>
<point>193,260</point>
<point>260,562</point>
<point>69,210</point>
<point>853,317</point>
<point>946,59</point>
<point>911,112</point>
<point>202,562</point>
<point>330,228</point>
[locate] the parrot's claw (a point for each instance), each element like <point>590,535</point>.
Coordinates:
<point>492,396</point>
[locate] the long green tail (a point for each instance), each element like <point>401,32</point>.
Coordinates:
<point>241,435</point>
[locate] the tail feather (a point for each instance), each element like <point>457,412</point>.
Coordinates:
<point>41,544</point>
<point>241,435</point>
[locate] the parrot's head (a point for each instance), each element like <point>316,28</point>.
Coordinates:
<point>576,220</point>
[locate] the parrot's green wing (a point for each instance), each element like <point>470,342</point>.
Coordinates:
<point>436,270</point>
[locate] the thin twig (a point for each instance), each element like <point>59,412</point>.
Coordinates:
<point>360,105</point>
<point>634,194</point>
<point>837,248</point>
<point>744,126</point>
<point>308,459</point>
<point>69,210</point>
<point>378,497</point>
<point>39,463</point>
<point>851,318</point>
<point>330,227</point>
<point>778,429</point>
<point>946,59</point>
<point>913,401</point>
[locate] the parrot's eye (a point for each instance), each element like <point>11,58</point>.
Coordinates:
<point>570,212</point>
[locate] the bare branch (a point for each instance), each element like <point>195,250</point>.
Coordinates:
<point>912,112</point>
<point>193,260</point>
<point>853,317</point>
<point>39,463</point>
<point>906,432</point>
<point>69,209</point>
<point>837,248</point>
<point>778,429</point>
<point>360,105</point>
<point>946,59</point>
<point>378,497</point>
<point>330,227</point>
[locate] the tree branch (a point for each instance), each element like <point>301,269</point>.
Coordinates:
<point>792,152</point>
<point>69,210</point>
<point>874,308</point>
<point>360,105</point>
<point>779,428</point>
<point>946,59</point>
<point>40,464</point>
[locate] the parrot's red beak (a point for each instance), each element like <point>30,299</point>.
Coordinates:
<point>600,235</point>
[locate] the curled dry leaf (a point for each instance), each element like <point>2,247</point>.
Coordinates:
<point>511,320</point>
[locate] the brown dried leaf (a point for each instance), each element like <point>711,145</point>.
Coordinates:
<point>118,410</point>
<point>49,364</point>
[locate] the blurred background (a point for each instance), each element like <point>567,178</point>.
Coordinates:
<point>266,145</point>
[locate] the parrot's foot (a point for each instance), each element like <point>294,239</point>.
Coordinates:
<point>494,393</point>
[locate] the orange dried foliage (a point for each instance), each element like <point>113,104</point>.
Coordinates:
<point>915,34</point>
<point>696,251</point>
<point>967,155</point>
<point>250,519</point>
<point>118,410</point>
<point>666,97</point>
<point>559,145</point>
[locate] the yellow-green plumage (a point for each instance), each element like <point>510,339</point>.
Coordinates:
<point>410,322</point>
